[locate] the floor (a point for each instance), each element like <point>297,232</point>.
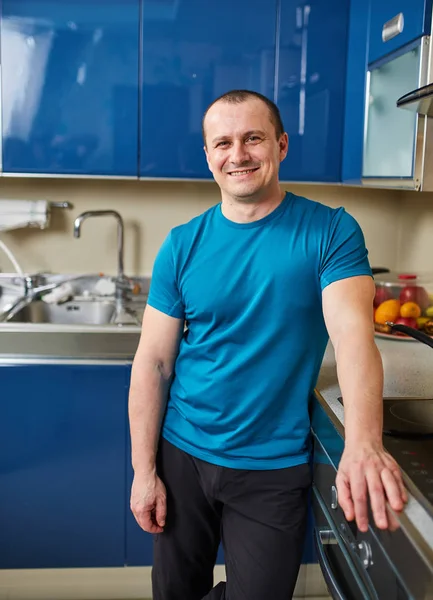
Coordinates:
<point>129,583</point>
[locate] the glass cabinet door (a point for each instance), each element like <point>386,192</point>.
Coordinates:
<point>391,132</point>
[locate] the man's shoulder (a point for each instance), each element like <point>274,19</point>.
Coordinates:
<point>186,230</point>
<point>314,208</point>
<point>318,216</point>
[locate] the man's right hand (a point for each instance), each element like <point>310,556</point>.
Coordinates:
<point>149,502</point>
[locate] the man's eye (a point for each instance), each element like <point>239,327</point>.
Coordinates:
<point>253,138</point>
<point>222,144</point>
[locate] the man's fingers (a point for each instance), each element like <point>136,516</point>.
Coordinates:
<point>146,522</point>
<point>392,489</point>
<point>161,510</point>
<point>377,497</point>
<point>395,470</point>
<point>393,523</point>
<point>344,497</point>
<point>358,488</point>
<point>370,477</point>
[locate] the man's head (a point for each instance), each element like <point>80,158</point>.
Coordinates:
<point>244,143</point>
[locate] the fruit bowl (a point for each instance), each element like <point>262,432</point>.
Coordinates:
<point>403,298</point>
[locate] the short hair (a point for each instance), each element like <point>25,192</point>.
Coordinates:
<point>239,96</point>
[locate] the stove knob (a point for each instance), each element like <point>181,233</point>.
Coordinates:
<point>365,554</point>
<point>334,498</point>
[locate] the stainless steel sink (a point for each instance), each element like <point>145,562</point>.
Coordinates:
<point>81,312</point>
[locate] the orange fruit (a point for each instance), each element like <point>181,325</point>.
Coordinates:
<point>387,311</point>
<point>410,309</point>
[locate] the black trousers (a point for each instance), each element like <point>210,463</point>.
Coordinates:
<point>259,515</point>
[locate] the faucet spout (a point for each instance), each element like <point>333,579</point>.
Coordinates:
<point>120,233</point>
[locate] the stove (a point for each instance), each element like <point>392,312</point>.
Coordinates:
<point>408,437</point>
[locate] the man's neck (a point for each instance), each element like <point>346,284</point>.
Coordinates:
<point>247,211</point>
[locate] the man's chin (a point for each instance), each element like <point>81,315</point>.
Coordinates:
<point>244,192</point>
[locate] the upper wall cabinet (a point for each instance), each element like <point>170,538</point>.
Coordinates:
<point>356,82</point>
<point>192,52</point>
<point>394,23</point>
<point>70,78</point>
<point>311,87</point>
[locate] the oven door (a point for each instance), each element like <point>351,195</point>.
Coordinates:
<point>339,571</point>
<point>371,565</point>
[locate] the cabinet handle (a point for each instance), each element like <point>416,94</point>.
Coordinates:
<point>393,27</point>
<point>323,538</point>
<point>334,497</point>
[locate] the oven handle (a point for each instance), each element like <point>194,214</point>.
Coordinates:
<point>324,537</point>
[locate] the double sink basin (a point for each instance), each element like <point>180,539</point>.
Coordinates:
<point>87,326</point>
<point>78,312</point>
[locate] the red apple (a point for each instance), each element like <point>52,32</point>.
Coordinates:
<point>409,321</point>
<point>382,294</point>
<point>415,293</point>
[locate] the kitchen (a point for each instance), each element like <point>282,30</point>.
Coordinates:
<point>93,138</point>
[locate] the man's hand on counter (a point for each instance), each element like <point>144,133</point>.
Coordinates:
<point>368,472</point>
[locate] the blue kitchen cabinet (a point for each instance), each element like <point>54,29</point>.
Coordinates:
<point>62,466</point>
<point>356,81</point>
<point>311,87</point>
<point>70,87</point>
<point>192,52</point>
<point>415,23</point>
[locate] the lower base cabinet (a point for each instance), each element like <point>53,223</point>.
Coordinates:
<point>65,469</point>
<point>62,466</point>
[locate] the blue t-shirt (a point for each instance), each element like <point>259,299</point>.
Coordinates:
<point>250,294</point>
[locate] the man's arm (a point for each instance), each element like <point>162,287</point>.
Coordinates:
<point>151,376</point>
<point>365,467</point>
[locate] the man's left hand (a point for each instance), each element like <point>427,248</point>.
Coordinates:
<point>367,470</point>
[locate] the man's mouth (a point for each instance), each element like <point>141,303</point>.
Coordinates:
<point>240,172</point>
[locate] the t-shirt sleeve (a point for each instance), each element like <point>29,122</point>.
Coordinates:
<point>345,254</point>
<point>164,294</point>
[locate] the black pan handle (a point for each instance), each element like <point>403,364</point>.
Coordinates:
<point>418,335</point>
<point>377,270</point>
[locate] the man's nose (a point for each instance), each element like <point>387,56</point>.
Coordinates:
<point>239,153</point>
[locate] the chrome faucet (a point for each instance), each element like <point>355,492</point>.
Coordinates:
<point>123,284</point>
<point>120,232</point>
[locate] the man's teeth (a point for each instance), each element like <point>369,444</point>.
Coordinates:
<point>236,173</point>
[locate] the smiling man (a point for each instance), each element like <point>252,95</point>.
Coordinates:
<point>219,408</point>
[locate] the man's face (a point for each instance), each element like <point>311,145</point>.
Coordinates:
<point>242,149</point>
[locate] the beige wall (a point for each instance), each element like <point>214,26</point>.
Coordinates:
<point>150,209</point>
<point>415,245</point>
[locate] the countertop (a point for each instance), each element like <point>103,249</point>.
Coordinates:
<point>407,372</point>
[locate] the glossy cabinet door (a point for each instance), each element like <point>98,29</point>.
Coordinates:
<point>416,21</point>
<point>192,52</point>
<point>70,87</point>
<point>356,83</point>
<point>311,87</point>
<point>62,466</point>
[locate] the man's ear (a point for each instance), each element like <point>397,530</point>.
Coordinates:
<point>207,158</point>
<point>284,146</point>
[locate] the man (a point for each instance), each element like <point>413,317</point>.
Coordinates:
<point>241,303</point>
